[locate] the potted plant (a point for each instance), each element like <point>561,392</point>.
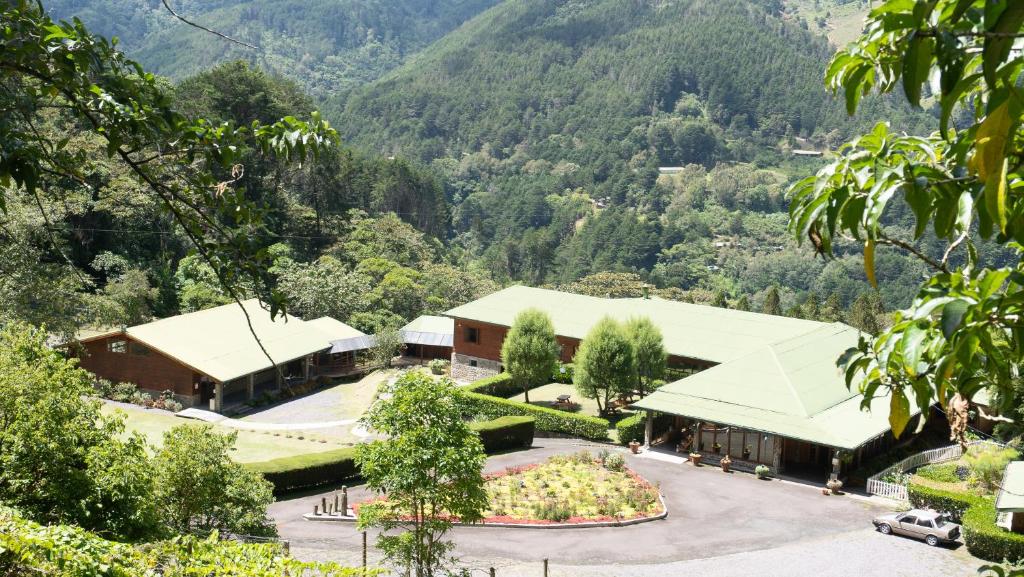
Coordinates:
<point>762,471</point>
<point>726,462</point>
<point>634,446</point>
<point>695,459</point>
<point>834,485</point>
<point>716,448</point>
<point>746,452</point>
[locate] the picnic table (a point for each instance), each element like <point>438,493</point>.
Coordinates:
<point>563,401</point>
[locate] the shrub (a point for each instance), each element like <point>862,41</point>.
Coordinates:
<point>986,540</point>
<point>631,428</point>
<point>615,462</point>
<point>562,373</point>
<point>762,471</point>
<point>505,433</point>
<point>987,464</point>
<point>499,385</point>
<point>310,470</point>
<point>952,503</point>
<point>104,388</point>
<point>438,366</point>
<point>940,472</point>
<point>550,420</point>
<point>141,398</point>
<point>122,392</point>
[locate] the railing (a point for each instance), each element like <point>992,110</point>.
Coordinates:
<point>876,486</point>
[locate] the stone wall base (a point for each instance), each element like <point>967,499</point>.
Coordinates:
<point>463,368</point>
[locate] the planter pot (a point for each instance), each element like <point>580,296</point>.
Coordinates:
<point>634,447</point>
<point>834,485</point>
<point>746,455</point>
<point>725,466</point>
<point>695,459</point>
<point>716,450</point>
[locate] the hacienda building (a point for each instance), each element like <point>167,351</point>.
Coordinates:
<point>763,389</point>
<point>210,358</point>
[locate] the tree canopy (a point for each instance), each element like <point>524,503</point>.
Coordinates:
<point>530,350</point>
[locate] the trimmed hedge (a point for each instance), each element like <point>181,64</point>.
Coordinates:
<point>309,470</point>
<point>499,385</point>
<point>337,466</point>
<point>550,420</point>
<point>952,503</point>
<point>505,433</point>
<point>986,540</point>
<point>632,427</point>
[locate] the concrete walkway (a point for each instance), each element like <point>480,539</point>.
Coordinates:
<point>211,417</point>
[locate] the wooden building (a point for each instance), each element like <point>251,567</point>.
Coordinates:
<point>210,358</point>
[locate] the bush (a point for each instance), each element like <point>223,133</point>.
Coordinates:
<point>310,470</point>
<point>438,366</point>
<point>762,471</point>
<point>987,464</point>
<point>940,472</point>
<point>631,428</point>
<point>122,392</point>
<point>986,540</point>
<point>505,433</point>
<point>954,504</point>
<point>499,385</point>
<point>104,388</point>
<point>562,373</point>
<point>615,462</point>
<point>550,420</point>
<point>141,398</point>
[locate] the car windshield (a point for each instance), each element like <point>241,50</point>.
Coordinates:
<point>939,521</point>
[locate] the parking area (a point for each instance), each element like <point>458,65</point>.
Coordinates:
<point>762,527</point>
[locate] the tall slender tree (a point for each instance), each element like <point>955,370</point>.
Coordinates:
<point>649,354</point>
<point>771,304</point>
<point>604,363</point>
<point>530,350</point>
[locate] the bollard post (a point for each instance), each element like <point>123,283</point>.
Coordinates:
<point>323,503</point>
<point>316,510</point>
<point>344,500</point>
<point>364,552</point>
<point>336,503</point>
<point>545,567</point>
<point>492,571</point>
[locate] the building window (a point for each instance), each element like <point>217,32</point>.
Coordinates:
<point>140,350</point>
<point>472,335</point>
<point>118,346</point>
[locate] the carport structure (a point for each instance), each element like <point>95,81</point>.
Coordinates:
<point>429,337</point>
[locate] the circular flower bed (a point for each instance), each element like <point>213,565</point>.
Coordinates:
<point>579,488</point>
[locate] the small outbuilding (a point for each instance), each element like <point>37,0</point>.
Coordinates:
<point>429,337</point>
<point>210,358</point>
<point>1010,501</point>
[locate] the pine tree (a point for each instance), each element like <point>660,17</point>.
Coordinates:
<point>865,312</point>
<point>771,304</point>
<point>832,310</point>
<point>811,308</point>
<point>743,304</point>
<point>720,300</point>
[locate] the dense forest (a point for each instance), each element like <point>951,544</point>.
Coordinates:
<point>528,144</point>
<point>324,45</point>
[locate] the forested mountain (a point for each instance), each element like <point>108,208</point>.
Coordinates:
<point>324,45</point>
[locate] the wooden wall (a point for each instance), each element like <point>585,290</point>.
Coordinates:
<point>154,372</point>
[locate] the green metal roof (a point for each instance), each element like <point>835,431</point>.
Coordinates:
<point>218,343</point>
<point>431,324</point>
<point>791,388</point>
<point>1011,494</point>
<point>695,331</point>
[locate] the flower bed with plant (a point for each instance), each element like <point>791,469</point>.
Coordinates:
<point>572,489</point>
<point>130,393</point>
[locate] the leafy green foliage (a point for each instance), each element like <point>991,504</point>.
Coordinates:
<point>505,433</point>
<point>649,356</point>
<point>960,333</point>
<point>27,547</point>
<point>547,419</point>
<point>200,489</point>
<point>189,166</point>
<point>61,461</point>
<point>604,363</point>
<point>529,351</point>
<point>988,463</point>
<point>986,540</point>
<point>430,468</point>
<point>309,470</point>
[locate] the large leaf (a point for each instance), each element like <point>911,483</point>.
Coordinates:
<point>998,43</point>
<point>869,262</point>
<point>899,412</point>
<point>952,317</point>
<point>916,64</point>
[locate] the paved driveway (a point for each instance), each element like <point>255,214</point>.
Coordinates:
<point>717,523</point>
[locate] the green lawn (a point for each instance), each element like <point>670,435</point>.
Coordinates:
<point>251,445</point>
<point>547,395</point>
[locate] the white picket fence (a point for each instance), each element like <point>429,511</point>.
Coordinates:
<point>876,486</point>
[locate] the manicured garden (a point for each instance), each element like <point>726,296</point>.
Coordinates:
<point>577,488</point>
<point>580,488</point>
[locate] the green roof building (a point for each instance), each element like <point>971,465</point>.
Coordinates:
<point>763,389</point>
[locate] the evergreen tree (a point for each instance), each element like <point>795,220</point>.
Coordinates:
<point>604,363</point>
<point>865,312</point>
<point>811,308</point>
<point>530,350</point>
<point>648,352</point>
<point>720,300</point>
<point>743,304</point>
<point>771,304</point>
<point>832,310</point>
